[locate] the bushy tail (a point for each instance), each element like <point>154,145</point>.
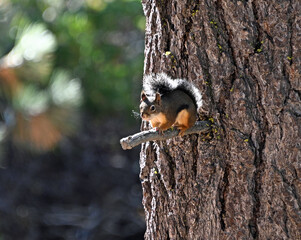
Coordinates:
<point>162,83</point>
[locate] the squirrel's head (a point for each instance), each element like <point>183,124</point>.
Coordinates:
<point>150,106</point>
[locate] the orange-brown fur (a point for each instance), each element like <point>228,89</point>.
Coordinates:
<point>160,122</point>
<point>184,121</point>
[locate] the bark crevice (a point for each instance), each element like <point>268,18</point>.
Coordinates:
<point>223,196</point>
<point>257,181</point>
<point>259,160</point>
<point>289,186</point>
<point>259,33</point>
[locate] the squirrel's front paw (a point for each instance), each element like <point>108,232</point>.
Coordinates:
<point>159,131</point>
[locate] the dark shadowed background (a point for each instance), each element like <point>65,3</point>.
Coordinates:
<point>70,74</point>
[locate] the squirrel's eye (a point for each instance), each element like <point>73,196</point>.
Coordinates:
<point>152,108</point>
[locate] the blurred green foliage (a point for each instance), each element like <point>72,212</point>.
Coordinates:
<point>99,42</point>
<point>70,75</point>
<point>63,59</point>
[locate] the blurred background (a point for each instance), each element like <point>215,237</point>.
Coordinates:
<point>70,76</point>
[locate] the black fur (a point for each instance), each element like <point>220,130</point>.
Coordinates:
<point>184,106</point>
<point>163,84</point>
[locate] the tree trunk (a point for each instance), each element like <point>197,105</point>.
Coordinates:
<point>244,183</point>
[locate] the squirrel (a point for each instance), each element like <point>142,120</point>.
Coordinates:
<point>167,103</point>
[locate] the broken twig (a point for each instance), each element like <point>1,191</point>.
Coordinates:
<point>151,135</point>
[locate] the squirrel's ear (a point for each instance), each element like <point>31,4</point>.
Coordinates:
<point>158,98</point>
<point>143,96</point>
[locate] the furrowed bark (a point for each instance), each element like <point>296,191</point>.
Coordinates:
<point>246,182</point>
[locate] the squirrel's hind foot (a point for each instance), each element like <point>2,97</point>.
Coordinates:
<point>181,129</point>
